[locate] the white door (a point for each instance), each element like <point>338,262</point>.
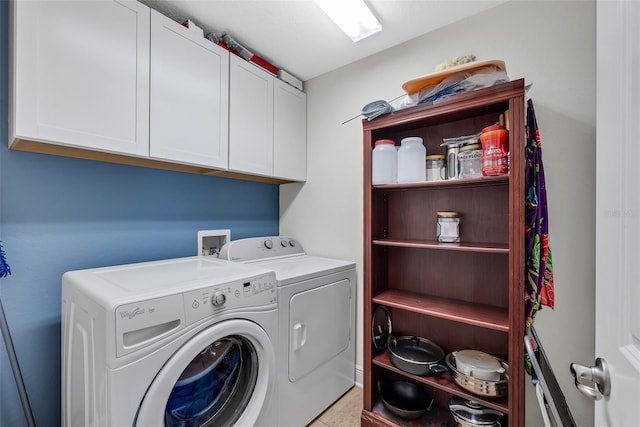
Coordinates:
<point>81,74</point>
<point>250,118</point>
<point>289,132</point>
<point>618,210</point>
<point>189,96</point>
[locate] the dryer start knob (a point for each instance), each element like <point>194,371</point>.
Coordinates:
<point>218,299</point>
<point>268,244</point>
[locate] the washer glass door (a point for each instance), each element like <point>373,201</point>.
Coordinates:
<point>215,387</point>
<point>222,376</point>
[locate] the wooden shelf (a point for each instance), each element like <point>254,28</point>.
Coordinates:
<point>442,382</point>
<point>435,417</point>
<point>372,418</point>
<point>484,316</point>
<point>464,247</point>
<point>461,295</point>
<point>447,184</point>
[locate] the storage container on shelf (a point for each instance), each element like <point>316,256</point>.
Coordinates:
<point>470,161</point>
<point>448,227</point>
<point>436,169</point>
<point>495,150</point>
<point>453,168</point>
<point>384,162</point>
<point>411,160</point>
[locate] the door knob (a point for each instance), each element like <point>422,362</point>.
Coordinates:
<point>592,381</point>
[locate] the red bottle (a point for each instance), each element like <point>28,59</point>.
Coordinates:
<point>495,150</point>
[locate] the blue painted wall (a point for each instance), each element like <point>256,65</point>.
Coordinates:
<point>59,214</point>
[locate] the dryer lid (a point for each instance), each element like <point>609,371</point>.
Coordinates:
<point>304,267</point>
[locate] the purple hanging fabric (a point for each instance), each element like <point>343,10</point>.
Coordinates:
<point>538,264</point>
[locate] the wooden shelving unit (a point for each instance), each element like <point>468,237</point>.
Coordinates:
<point>463,295</point>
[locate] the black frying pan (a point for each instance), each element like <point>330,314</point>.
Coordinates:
<point>404,399</point>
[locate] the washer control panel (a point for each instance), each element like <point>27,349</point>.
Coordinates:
<point>143,322</point>
<point>258,291</point>
<point>257,248</point>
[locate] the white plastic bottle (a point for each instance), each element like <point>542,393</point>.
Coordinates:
<point>411,160</point>
<point>384,162</point>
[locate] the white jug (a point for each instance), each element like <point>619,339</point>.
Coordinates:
<point>384,162</point>
<point>411,160</point>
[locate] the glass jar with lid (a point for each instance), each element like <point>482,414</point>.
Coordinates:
<point>436,169</point>
<point>448,227</point>
<point>470,161</point>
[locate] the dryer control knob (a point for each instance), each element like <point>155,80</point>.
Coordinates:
<point>218,299</point>
<point>283,243</point>
<point>268,244</point>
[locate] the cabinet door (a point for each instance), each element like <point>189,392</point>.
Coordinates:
<point>289,132</point>
<point>250,118</point>
<point>80,74</point>
<point>189,96</point>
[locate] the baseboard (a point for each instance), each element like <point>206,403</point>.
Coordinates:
<point>359,376</point>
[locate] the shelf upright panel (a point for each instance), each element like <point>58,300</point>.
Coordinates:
<point>516,258</point>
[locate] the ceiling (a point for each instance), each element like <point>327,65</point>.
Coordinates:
<point>296,35</point>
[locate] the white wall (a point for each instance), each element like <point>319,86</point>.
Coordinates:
<point>549,43</point>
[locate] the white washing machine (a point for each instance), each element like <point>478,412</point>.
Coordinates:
<point>182,342</point>
<point>316,318</point>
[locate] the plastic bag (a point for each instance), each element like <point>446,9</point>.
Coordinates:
<point>463,81</point>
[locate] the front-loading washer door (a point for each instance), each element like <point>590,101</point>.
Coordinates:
<point>221,377</point>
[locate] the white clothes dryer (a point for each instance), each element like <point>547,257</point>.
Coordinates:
<point>182,342</point>
<point>316,318</point>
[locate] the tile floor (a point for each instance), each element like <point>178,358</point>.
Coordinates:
<point>344,413</point>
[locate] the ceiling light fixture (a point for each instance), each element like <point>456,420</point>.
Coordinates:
<point>352,16</point>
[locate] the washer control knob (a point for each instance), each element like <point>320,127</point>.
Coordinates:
<point>218,299</point>
<point>283,243</point>
<point>268,244</point>
<point>292,243</point>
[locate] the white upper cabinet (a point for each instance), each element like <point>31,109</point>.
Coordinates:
<point>289,132</point>
<point>250,118</point>
<point>114,80</point>
<point>267,124</point>
<point>189,96</point>
<point>80,73</point>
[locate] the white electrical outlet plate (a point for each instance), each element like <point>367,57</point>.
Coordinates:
<point>211,241</point>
